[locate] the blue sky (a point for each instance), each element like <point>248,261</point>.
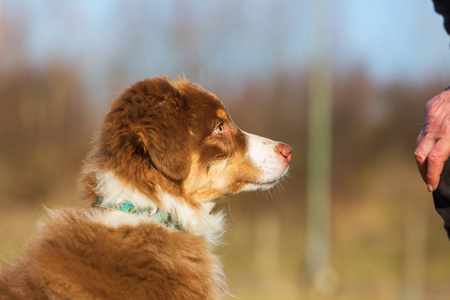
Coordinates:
<point>229,40</point>
<point>394,38</point>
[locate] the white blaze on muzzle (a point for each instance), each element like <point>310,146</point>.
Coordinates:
<point>266,156</point>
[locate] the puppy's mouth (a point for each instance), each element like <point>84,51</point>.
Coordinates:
<point>268,182</point>
<point>258,182</point>
<point>264,184</point>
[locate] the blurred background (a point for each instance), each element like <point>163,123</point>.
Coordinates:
<point>344,82</point>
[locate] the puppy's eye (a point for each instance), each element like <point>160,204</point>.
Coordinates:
<point>219,129</point>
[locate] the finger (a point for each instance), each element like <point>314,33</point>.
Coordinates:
<point>425,144</point>
<point>435,163</point>
<point>430,132</point>
<point>420,137</point>
<point>421,157</point>
<point>423,171</point>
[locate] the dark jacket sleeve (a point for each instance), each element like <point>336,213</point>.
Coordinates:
<point>443,7</point>
<point>441,197</point>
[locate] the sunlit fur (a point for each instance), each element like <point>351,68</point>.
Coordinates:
<point>164,145</point>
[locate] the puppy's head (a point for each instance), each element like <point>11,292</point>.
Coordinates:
<point>176,138</point>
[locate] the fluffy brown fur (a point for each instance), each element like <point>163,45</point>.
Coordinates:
<point>73,257</point>
<point>164,145</point>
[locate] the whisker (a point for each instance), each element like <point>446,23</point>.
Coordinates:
<point>233,219</point>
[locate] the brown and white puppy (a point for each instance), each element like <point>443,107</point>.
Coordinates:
<point>167,151</point>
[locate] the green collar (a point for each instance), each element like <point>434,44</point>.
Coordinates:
<point>129,208</point>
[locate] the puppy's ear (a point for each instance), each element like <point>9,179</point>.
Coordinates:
<point>155,114</point>
<point>167,148</point>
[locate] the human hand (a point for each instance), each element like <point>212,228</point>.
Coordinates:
<point>433,142</point>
